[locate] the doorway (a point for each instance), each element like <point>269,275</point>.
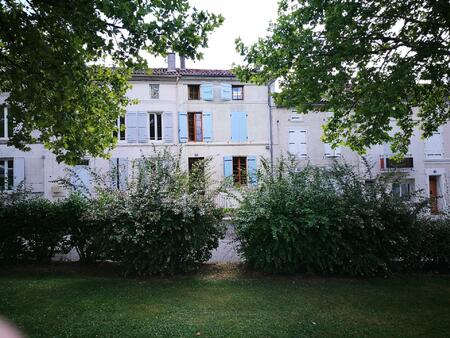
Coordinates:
<point>433,184</point>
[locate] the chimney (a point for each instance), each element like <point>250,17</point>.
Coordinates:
<point>171,62</point>
<point>182,62</point>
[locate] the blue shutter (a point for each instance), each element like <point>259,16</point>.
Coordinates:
<point>182,127</point>
<point>252,170</point>
<point>18,170</point>
<point>143,127</point>
<point>168,127</point>
<point>239,127</point>
<point>131,125</point>
<point>227,167</point>
<point>225,91</point>
<point>207,92</point>
<point>123,173</point>
<point>207,127</point>
<point>81,180</point>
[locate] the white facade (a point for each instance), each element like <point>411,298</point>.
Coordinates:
<point>232,126</point>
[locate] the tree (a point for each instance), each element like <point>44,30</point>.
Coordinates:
<point>53,57</point>
<point>370,62</point>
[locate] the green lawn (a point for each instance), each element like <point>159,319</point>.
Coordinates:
<point>224,302</point>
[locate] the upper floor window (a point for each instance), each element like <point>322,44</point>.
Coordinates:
<point>120,133</point>
<point>195,127</point>
<point>155,126</point>
<point>194,92</point>
<point>6,174</point>
<point>237,92</point>
<point>6,129</point>
<point>154,91</point>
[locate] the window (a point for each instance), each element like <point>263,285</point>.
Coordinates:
<point>402,189</point>
<point>240,170</point>
<point>120,134</point>
<point>6,174</point>
<point>6,129</point>
<point>194,162</point>
<point>154,91</point>
<point>195,128</point>
<point>237,92</point>
<point>406,162</point>
<point>434,146</point>
<point>194,92</point>
<point>155,126</point>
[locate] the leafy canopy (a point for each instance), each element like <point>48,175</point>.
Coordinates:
<point>52,63</point>
<point>370,62</point>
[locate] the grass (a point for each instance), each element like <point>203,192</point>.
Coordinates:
<point>222,301</point>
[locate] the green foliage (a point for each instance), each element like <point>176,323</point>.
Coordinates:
<point>53,56</point>
<point>164,222</point>
<point>369,62</point>
<point>324,221</point>
<point>32,229</point>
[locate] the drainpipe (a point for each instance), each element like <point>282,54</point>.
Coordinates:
<point>269,103</point>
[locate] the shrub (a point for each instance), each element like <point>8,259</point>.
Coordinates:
<point>165,221</point>
<point>324,221</point>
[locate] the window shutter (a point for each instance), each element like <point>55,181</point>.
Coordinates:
<point>143,127</point>
<point>113,172</point>
<point>207,127</point>
<point>337,151</point>
<point>207,92</point>
<point>434,146</point>
<point>227,166</point>
<point>19,170</point>
<point>252,170</point>
<point>123,173</point>
<point>297,143</point>
<point>131,125</point>
<point>239,127</point>
<point>328,150</point>
<point>182,127</point>
<point>302,144</point>
<point>168,127</point>
<point>225,91</point>
<point>81,179</point>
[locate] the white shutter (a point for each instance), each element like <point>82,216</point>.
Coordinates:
<point>18,170</point>
<point>143,127</point>
<point>330,152</point>
<point>131,127</point>
<point>434,146</point>
<point>297,143</point>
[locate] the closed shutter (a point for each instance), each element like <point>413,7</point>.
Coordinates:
<point>225,91</point>
<point>330,152</point>
<point>207,127</point>
<point>239,127</point>
<point>297,142</point>
<point>81,180</point>
<point>434,146</point>
<point>168,127</point>
<point>18,170</point>
<point>227,166</point>
<point>123,173</point>
<point>207,92</point>
<point>182,127</point>
<point>131,124</point>
<point>143,126</point>
<point>252,170</point>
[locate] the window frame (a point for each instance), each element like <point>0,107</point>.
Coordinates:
<point>121,134</point>
<point>189,114</point>
<point>238,97</point>
<point>157,138</point>
<point>6,127</point>
<point>152,85</point>
<point>6,179</point>
<point>239,179</point>
<point>197,96</point>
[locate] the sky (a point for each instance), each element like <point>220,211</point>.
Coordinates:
<point>248,19</point>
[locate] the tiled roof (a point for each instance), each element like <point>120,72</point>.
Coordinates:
<point>186,72</point>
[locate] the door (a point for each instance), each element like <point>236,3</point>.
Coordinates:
<point>433,194</point>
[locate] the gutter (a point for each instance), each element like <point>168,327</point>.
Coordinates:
<point>269,103</point>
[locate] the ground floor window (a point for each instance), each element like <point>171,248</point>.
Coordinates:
<point>195,163</point>
<point>402,189</point>
<point>6,174</point>
<point>240,170</point>
<point>155,126</point>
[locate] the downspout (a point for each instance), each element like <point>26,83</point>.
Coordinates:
<point>269,103</point>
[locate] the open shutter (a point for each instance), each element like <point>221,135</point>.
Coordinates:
<point>227,166</point>
<point>123,173</point>
<point>328,150</point>
<point>143,125</point>
<point>225,91</point>
<point>434,146</point>
<point>182,127</point>
<point>81,180</point>
<point>131,123</point>
<point>207,126</point>
<point>19,170</point>
<point>113,171</point>
<point>168,127</point>
<point>207,92</point>
<point>252,170</point>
